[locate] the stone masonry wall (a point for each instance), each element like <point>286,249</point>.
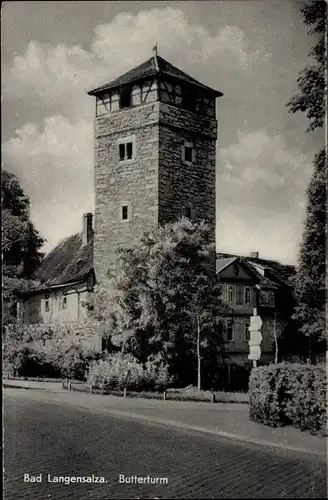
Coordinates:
<point>132,182</point>
<point>182,184</point>
<point>157,184</point>
<point>39,335</point>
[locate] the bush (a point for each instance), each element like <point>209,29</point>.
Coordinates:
<point>118,371</point>
<point>289,394</point>
<point>157,374</point>
<point>54,360</point>
<point>21,361</point>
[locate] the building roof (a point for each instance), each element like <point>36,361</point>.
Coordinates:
<point>274,273</point>
<point>68,262</point>
<point>223,263</point>
<point>154,66</point>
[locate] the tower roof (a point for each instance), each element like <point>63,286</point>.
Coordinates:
<point>150,68</point>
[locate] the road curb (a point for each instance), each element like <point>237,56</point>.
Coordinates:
<point>236,437</point>
<point>183,426</point>
<point>204,430</point>
<point>46,389</point>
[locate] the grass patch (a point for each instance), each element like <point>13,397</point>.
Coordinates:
<point>170,395</point>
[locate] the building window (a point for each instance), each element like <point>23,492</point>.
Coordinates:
<point>189,99</point>
<point>239,295</point>
<point>229,293</point>
<point>125,212</point>
<point>188,153</point>
<point>64,304</point>
<point>126,149</point>
<point>188,212</point>
<point>230,332</point>
<point>247,295</point>
<point>246,332</point>
<point>136,95</point>
<point>125,98</point>
<point>107,103</point>
<point>46,303</point>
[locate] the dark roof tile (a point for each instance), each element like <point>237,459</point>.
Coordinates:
<point>149,68</point>
<point>68,262</point>
<point>275,273</point>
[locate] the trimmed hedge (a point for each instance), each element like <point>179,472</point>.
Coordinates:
<point>289,394</point>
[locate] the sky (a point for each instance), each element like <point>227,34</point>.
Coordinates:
<point>252,51</point>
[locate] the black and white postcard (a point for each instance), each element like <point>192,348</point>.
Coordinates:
<point>163,204</point>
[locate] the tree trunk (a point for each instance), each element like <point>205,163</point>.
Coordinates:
<point>310,350</point>
<point>275,339</point>
<point>199,381</point>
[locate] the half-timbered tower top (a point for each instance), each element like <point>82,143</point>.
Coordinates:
<point>155,66</point>
<point>165,83</point>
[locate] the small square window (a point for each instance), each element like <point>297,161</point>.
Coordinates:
<point>125,212</point>
<point>188,154</point>
<point>126,149</point>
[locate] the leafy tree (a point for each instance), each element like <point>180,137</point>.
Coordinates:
<point>20,244</point>
<point>311,99</point>
<point>311,81</point>
<point>310,278</point>
<point>164,299</point>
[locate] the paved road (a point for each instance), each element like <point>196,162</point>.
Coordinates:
<point>60,440</point>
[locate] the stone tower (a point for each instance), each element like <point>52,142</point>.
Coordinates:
<point>155,149</point>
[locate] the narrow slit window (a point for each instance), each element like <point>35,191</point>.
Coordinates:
<point>125,212</point>
<point>188,154</point>
<point>64,302</point>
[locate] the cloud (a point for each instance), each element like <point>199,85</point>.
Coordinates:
<point>261,194</point>
<point>245,230</point>
<point>55,166</point>
<point>60,75</point>
<point>261,179</point>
